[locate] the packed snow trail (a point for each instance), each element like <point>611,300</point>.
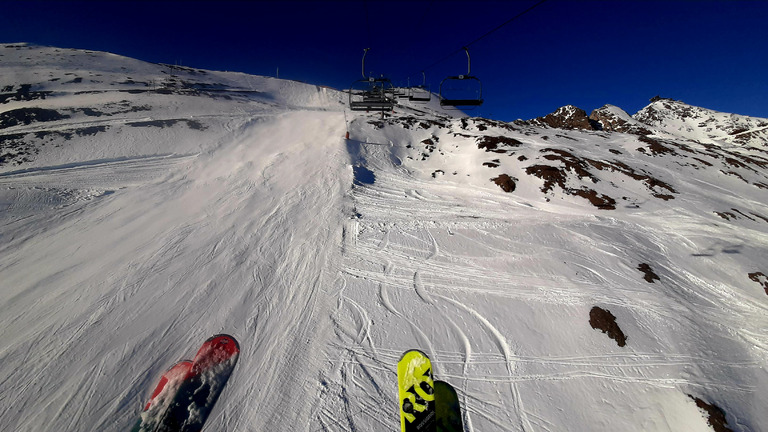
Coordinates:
<point>108,292</point>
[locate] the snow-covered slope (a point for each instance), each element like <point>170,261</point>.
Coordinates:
<point>702,124</point>
<point>146,207</point>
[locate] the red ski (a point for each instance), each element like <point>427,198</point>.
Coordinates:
<point>169,382</point>
<point>187,392</point>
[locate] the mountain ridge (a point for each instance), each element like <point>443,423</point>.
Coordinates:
<point>664,115</point>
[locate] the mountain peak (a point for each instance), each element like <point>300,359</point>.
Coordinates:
<point>567,117</point>
<point>661,109</point>
<point>663,116</point>
<point>615,119</point>
<point>702,124</point>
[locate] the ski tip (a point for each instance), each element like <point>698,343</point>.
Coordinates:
<point>413,351</point>
<point>216,350</point>
<point>224,340</point>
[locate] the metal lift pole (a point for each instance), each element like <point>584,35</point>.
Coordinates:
<point>364,54</point>
<point>469,64</point>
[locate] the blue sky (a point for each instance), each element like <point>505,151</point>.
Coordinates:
<point>707,53</point>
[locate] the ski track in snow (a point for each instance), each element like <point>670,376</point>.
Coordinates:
<point>407,260</point>
<point>416,228</point>
<point>249,245</point>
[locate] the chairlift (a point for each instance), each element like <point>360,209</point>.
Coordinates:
<point>371,94</point>
<point>401,92</point>
<point>465,91</point>
<point>420,93</point>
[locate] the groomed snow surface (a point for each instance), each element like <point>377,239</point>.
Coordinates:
<point>164,204</point>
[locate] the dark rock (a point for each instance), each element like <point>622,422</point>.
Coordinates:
<point>28,115</point>
<point>650,276</point>
<point>24,93</point>
<point>492,143</point>
<point>602,319</point>
<point>760,278</point>
<point>601,201</point>
<point>615,119</point>
<point>715,415</point>
<point>505,182</point>
<point>568,117</point>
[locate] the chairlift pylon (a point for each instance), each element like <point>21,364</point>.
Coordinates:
<point>371,94</point>
<point>461,90</point>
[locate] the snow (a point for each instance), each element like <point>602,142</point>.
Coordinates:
<point>235,206</point>
<point>701,124</point>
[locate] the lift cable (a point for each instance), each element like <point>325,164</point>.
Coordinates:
<point>367,22</point>
<point>488,33</point>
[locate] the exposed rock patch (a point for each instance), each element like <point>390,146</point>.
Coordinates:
<point>192,124</point>
<point>715,415</point>
<point>555,176</point>
<point>411,122</point>
<point>649,275</point>
<point>655,146</point>
<point>558,176</point>
<point>22,147</point>
<point>27,116</point>
<point>601,201</point>
<point>552,176</point>
<point>493,143</point>
<point>15,149</point>
<point>23,93</point>
<point>567,117</point>
<point>615,119</point>
<point>726,215</point>
<point>760,278</point>
<point>483,124</point>
<point>505,182</point>
<point>429,146</point>
<point>602,319</point>
<point>736,214</point>
<point>658,188</point>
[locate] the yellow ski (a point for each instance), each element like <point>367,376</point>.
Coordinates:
<point>416,392</point>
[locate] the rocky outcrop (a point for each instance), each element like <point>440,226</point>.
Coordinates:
<point>662,116</point>
<point>614,119</point>
<point>567,117</point>
<point>604,320</point>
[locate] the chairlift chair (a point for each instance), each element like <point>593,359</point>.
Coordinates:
<point>464,91</point>
<point>420,93</point>
<point>371,94</point>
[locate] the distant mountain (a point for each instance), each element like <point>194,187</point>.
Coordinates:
<point>664,116</point>
<point>701,124</point>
